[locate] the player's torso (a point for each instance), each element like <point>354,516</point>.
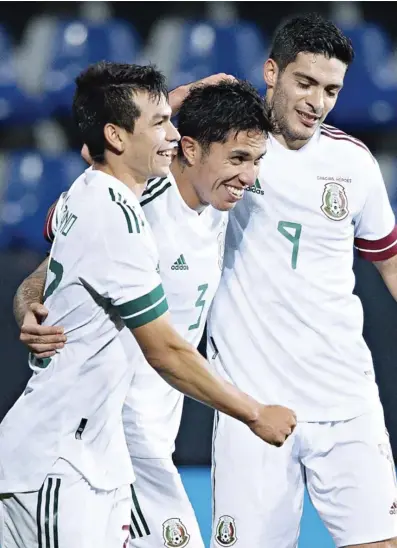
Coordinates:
<point>288,279</point>
<point>191,252</point>
<point>79,393</point>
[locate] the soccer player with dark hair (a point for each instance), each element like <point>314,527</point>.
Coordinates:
<point>104,273</point>
<point>293,333</point>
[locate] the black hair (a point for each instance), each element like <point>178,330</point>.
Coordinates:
<point>104,95</point>
<point>210,113</point>
<point>309,34</point>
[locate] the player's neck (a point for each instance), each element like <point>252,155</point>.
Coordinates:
<point>182,178</point>
<point>289,144</point>
<point>133,181</point>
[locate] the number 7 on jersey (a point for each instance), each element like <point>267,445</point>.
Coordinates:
<point>291,231</point>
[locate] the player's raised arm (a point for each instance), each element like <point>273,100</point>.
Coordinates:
<point>375,227</point>
<point>179,94</point>
<point>183,367</point>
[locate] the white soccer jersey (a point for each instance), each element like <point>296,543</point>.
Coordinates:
<point>191,254</point>
<point>102,268</point>
<point>285,322</point>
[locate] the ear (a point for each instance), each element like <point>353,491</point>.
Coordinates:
<point>190,149</point>
<point>270,73</point>
<point>115,136</point>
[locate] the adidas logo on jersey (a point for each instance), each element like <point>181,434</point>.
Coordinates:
<point>393,508</point>
<point>256,188</point>
<point>180,264</point>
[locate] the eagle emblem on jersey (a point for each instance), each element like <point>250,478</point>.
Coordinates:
<point>334,204</point>
<point>226,531</point>
<point>175,533</point>
<point>221,245</point>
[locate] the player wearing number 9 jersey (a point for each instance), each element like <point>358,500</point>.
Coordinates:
<point>294,329</point>
<point>223,129</point>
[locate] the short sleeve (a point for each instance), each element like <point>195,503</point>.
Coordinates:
<point>375,230</point>
<point>124,267</point>
<point>53,217</point>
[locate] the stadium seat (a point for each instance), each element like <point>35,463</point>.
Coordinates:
<point>78,43</point>
<point>33,182</point>
<point>369,96</point>
<point>207,48</point>
<point>16,106</point>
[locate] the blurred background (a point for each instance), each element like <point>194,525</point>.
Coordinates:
<point>44,45</point>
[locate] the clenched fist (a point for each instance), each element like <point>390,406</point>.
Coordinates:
<point>274,424</point>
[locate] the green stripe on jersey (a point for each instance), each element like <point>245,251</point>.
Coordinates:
<point>147,316</point>
<point>155,195</point>
<point>139,511</point>
<point>138,228</point>
<point>141,303</point>
<point>123,208</point>
<point>153,184</point>
<point>55,514</point>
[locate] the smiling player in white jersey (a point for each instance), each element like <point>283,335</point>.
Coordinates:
<point>285,325</point>
<point>223,131</point>
<point>65,471</point>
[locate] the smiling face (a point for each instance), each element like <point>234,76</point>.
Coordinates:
<point>148,150</point>
<point>303,94</point>
<point>151,144</point>
<point>220,174</point>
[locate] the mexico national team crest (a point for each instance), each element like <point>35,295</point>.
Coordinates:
<point>334,204</point>
<point>175,533</point>
<point>221,245</point>
<point>226,531</point>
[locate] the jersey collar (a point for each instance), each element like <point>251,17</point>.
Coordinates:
<point>110,181</point>
<point>273,143</point>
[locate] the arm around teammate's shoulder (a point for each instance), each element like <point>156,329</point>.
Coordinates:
<point>185,369</point>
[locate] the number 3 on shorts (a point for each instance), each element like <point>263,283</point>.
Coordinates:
<point>291,231</point>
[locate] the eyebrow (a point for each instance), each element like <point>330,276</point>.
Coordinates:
<point>313,81</point>
<point>245,154</point>
<point>161,117</point>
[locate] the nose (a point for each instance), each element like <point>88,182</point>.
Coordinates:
<point>248,175</point>
<point>316,99</point>
<point>172,133</point>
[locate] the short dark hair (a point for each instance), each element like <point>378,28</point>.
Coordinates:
<point>211,112</point>
<point>103,95</point>
<point>310,34</point>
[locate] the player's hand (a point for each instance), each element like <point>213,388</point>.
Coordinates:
<point>42,341</point>
<point>274,424</point>
<point>178,95</point>
<point>85,154</point>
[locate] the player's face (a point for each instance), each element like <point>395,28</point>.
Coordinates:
<point>150,148</point>
<point>304,93</point>
<point>227,169</point>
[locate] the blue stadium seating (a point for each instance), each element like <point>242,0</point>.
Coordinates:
<point>207,48</point>
<point>16,106</point>
<point>369,97</point>
<point>78,43</point>
<point>34,182</point>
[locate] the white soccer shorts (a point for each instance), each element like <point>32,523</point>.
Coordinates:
<point>66,513</point>
<point>258,489</point>
<point>165,510</point>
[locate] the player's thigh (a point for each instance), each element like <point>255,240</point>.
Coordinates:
<point>18,520</point>
<point>257,489</point>
<point>62,513</point>
<point>162,514</point>
<point>351,479</point>
<point>117,510</point>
